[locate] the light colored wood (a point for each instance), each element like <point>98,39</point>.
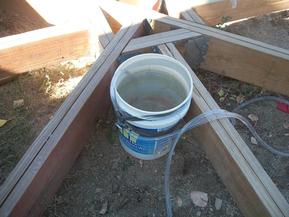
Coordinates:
<point>38,48</point>
<point>228,54</point>
<point>213,13</point>
<point>241,58</point>
<point>252,188</point>
<point>159,38</point>
<point>175,8</point>
<point>42,138</point>
<point>51,45</point>
<point>100,32</point>
<point>191,15</point>
<point>64,144</point>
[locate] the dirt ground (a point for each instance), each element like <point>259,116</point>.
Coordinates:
<point>42,92</point>
<point>104,173</point>
<point>131,187</point>
<point>106,179</point>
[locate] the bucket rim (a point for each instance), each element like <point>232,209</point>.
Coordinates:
<point>148,56</point>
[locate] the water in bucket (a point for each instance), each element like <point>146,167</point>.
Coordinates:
<point>152,90</point>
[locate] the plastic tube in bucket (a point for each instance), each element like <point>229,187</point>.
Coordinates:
<point>150,94</point>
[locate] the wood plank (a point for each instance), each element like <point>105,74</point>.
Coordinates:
<point>100,28</point>
<point>191,15</point>
<point>241,58</point>
<point>42,138</point>
<point>38,48</point>
<point>43,47</point>
<point>174,7</point>
<point>228,54</point>
<point>45,172</point>
<point>160,38</point>
<point>241,172</point>
<point>213,13</point>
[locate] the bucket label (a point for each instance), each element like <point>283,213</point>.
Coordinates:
<point>143,145</point>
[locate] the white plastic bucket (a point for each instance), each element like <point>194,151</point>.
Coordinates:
<point>154,86</point>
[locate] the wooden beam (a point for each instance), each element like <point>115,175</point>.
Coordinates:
<point>249,184</point>
<point>191,15</point>
<point>159,38</point>
<point>38,48</point>
<point>241,58</point>
<point>95,37</point>
<point>175,8</point>
<point>51,45</point>
<point>215,12</point>
<point>52,162</point>
<point>228,54</point>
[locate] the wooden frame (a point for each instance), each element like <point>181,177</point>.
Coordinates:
<point>52,45</point>
<point>265,64</point>
<point>30,46</point>
<point>38,175</point>
<point>213,12</point>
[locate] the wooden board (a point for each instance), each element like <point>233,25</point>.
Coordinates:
<point>241,58</point>
<point>160,38</point>
<point>51,45</point>
<point>174,8</point>
<point>44,175</point>
<point>213,13</point>
<point>250,186</point>
<point>38,48</point>
<point>191,15</point>
<point>45,134</point>
<point>231,55</point>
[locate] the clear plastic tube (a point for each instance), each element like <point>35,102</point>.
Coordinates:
<point>261,98</point>
<point>203,118</point>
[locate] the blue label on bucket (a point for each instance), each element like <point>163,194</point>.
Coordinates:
<point>143,145</point>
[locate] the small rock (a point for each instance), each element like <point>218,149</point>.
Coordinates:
<point>198,213</point>
<point>222,99</point>
<point>286,125</point>
<point>18,103</point>
<point>253,117</point>
<point>179,201</point>
<point>103,208</point>
<point>3,122</point>
<point>240,99</point>
<point>218,203</point>
<point>221,93</point>
<point>141,163</point>
<point>286,134</point>
<point>98,190</point>
<point>254,141</point>
<point>199,198</point>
